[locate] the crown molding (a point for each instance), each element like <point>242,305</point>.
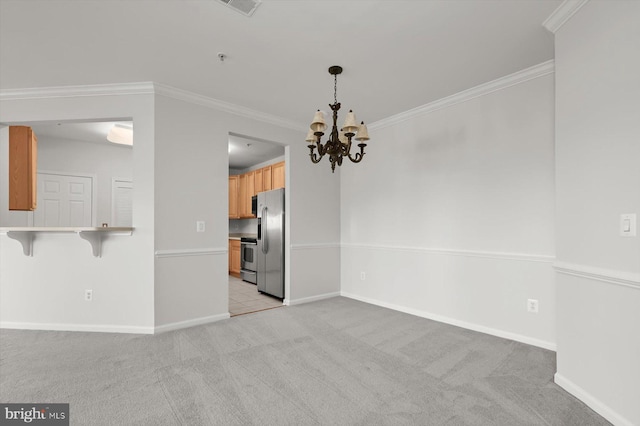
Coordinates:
<point>75,91</point>
<point>194,98</point>
<point>518,77</point>
<point>145,88</point>
<point>562,14</point>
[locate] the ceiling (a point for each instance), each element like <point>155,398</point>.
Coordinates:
<point>93,132</point>
<point>396,54</point>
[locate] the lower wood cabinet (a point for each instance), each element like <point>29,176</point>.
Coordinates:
<point>234,258</point>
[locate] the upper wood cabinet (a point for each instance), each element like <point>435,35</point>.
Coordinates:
<point>244,201</point>
<point>251,183</point>
<point>277,175</point>
<point>266,179</point>
<point>259,180</point>
<point>251,186</point>
<point>233,197</point>
<point>23,157</point>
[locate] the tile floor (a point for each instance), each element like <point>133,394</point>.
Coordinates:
<point>244,298</point>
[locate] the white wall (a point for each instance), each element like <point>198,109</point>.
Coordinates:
<point>106,161</point>
<point>450,214</point>
<point>46,291</point>
<point>191,167</point>
<point>598,176</point>
<point>166,275</point>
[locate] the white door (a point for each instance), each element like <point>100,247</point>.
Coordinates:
<point>63,200</point>
<point>121,202</point>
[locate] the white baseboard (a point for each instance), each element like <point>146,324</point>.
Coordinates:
<point>77,327</point>
<point>594,403</point>
<point>475,327</point>
<point>291,302</point>
<point>190,323</point>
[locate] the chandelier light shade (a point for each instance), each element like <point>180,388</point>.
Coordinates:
<point>339,143</point>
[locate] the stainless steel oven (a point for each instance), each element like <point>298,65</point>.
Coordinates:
<point>248,259</point>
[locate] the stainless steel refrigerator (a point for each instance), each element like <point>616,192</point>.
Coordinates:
<point>270,212</point>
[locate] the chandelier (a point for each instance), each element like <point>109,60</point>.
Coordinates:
<point>338,145</point>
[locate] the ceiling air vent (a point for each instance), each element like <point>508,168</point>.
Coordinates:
<point>246,7</point>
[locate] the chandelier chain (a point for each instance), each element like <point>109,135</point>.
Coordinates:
<point>335,88</point>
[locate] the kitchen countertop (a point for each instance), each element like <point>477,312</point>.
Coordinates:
<point>237,236</point>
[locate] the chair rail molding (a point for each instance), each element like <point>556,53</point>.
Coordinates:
<point>210,251</point>
<point>527,257</point>
<point>626,279</point>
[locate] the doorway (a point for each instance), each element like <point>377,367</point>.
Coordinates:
<point>255,166</point>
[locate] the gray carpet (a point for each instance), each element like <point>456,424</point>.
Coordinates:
<point>336,361</point>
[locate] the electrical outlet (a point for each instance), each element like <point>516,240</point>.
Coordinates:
<point>532,305</point>
<point>200,226</point>
<point>88,295</point>
<point>363,276</point>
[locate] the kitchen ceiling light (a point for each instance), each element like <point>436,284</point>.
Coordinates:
<point>121,134</point>
<point>339,144</point>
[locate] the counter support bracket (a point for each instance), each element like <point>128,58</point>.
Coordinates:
<point>25,238</point>
<point>95,239</point>
<point>26,235</point>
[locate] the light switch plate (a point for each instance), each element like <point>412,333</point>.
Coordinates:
<point>628,225</point>
<point>200,226</point>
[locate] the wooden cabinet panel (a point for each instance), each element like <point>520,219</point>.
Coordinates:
<point>266,179</point>
<point>251,187</point>
<point>242,196</point>
<point>23,156</point>
<point>233,197</point>
<point>277,175</point>
<point>234,258</point>
<point>259,181</point>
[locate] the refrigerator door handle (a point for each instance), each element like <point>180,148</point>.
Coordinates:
<point>265,239</point>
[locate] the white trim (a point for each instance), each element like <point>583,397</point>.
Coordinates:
<point>526,257</point>
<point>192,252</point>
<point>591,401</point>
<point>626,279</point>
<point>291,302</point>
<point>191,323</point>
<point>518,77</point>
<point>194,98</point>
<point>562,14</point>
<point>77,327</point>
<point>145,88</point>
<point>314,246</point>
<point>458,323</point>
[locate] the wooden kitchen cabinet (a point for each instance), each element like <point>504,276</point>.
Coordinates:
<point>242,196</point>
<point>266,179</point>
<point>234,258</point>
<point>277,175</point>
<point>23,157</point>
<point>259,181</point>
<point>233,197</point>
<point>243,187</point>
<point>251,187</point>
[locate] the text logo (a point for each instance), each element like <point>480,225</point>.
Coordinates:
<point>34,414</point>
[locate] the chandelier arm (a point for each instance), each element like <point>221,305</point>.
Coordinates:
<point>358,157</point>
